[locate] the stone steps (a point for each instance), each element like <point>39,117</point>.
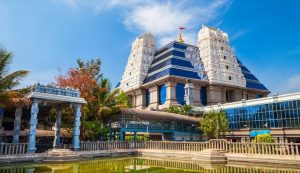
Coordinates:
<point>59,155</point>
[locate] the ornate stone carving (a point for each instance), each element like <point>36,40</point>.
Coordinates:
<point>189,93</point>
<point>76,128</point>
<point>33,123</point>
<point>219,60</point>
<point>139,61</point>
<point>17,125</point>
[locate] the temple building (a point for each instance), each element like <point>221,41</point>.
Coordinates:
<point>180,73</point>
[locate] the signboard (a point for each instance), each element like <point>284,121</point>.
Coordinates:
<point>254,133</point>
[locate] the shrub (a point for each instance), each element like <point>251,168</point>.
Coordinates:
<point>264,138</point>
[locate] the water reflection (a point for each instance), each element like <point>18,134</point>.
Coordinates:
<point>137,165</point>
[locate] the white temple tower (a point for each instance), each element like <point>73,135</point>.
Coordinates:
<point>218,58</point>
<point>139,61</point>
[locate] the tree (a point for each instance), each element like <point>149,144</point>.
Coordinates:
<point>183,110</point>
<point>264,138</point>
<point>10,80</point>
<point>96,90</point>
<point>214,124</point>
<point>110,102</point>
<point>94,129</point>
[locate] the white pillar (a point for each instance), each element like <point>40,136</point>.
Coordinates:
<point>197,97</point>
<point>56,142</point>
<point>189,93</point>
<point>17,124</point>
<point>33,123</point>
<point>171,94</point>
<point>153,97</point>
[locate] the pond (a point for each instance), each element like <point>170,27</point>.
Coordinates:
<point>137,164</point>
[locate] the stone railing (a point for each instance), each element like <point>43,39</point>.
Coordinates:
<point>271,148</point>
<point>230,147</point>
<point>13,149</point>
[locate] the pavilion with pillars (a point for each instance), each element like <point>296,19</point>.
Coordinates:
<point>50,96</point>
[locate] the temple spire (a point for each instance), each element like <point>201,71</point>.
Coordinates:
<point>180,39</point>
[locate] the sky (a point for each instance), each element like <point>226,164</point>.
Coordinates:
<point>47,36</point>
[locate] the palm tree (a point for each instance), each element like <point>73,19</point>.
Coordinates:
<point>107,103</point>
<point>110,102</point>
<point>10,80</point>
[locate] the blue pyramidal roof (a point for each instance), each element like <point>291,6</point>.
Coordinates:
<point>171,60</point>
<point>251,81</point>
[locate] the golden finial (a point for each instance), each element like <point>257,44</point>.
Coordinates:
<point>180,39</point>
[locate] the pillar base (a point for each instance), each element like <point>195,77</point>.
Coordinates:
<point>31,151</point>
<point>169,103</point>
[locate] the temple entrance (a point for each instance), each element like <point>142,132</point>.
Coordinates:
<point>43,98</point>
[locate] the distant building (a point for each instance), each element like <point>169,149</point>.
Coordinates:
<point>180,73</point>
<point>277,115</point>
<point>135,124</point>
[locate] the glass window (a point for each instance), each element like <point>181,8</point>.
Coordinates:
<point>162,94</point>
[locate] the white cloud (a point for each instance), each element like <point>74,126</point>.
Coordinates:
<point>292,84</point>
<point>162,18</point>
<point>240,33</point>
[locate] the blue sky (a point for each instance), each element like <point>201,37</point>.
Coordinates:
<point>48,36</point>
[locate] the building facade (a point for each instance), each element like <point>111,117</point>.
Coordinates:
<point>179,73</point>
<point>278,115</point>
<point>136,124</point>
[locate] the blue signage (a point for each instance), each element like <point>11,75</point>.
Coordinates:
<point>254,133</point>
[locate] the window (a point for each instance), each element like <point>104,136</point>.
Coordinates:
<point>162,94</point>
<point>147,98</point>
<point>222,48</point>
<point>229,78</point>
<point>227,67</point>
<point>129,73</point>
<point>229,96</point>
<point>203,96</point>
<point>225,57</point>
<point>180,93</point>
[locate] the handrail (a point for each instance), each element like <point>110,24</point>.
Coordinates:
<point>220,144</point>
<point>13,149</point>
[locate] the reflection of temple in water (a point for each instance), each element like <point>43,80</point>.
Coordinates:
<point>144,165</point>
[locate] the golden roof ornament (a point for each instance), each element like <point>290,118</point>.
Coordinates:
<point>180,39</point>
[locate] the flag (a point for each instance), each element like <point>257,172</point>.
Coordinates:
<point>182,28</point>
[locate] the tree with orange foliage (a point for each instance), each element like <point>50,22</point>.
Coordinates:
<point>101,101</point>
<point>85,78</point>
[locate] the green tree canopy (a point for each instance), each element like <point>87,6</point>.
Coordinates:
<point>9,80</point>
<point>214,124</point>
<point>183,110</point>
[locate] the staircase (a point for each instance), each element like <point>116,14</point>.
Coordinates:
<point>61,155</point>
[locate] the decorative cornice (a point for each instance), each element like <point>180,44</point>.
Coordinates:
<point>53,97</point>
